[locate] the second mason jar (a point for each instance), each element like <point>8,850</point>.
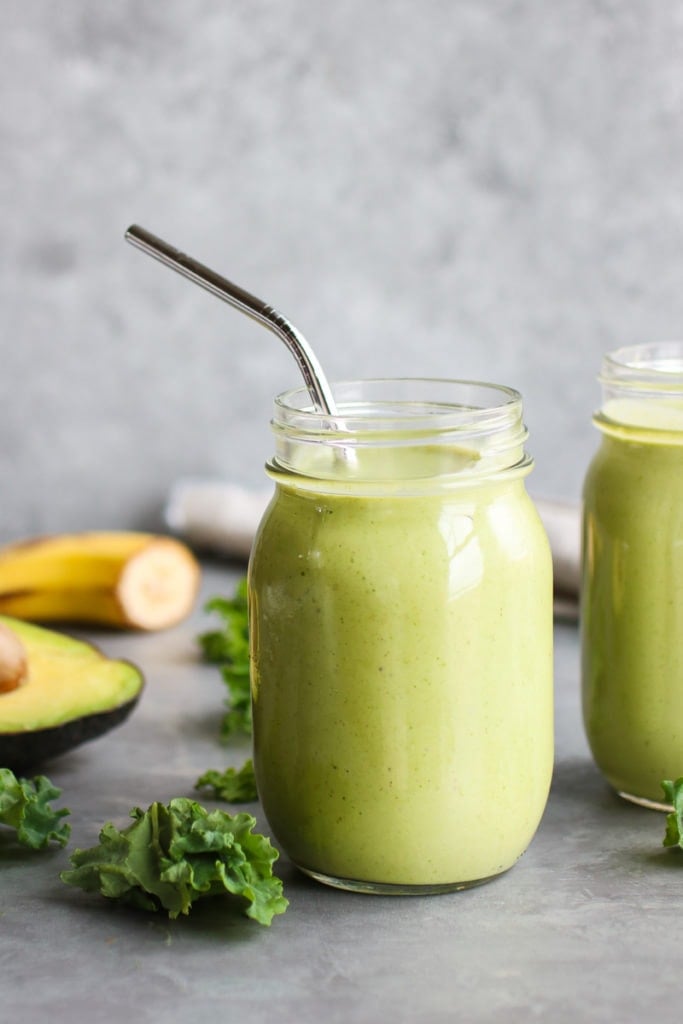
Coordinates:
<point>400,591</point>
<point>632,593</point>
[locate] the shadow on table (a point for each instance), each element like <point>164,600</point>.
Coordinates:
<point>577,780</point>
<point>602,826</point>
<point>210,919</point>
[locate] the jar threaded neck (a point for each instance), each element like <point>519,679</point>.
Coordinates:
<point>642,388</point>
<point>403,428</point>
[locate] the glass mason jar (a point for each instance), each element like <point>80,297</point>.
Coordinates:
<point>400,592</point>
<point>632,579</point>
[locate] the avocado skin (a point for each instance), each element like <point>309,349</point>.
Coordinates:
<point>23,751</point>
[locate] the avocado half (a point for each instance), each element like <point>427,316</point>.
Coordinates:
<point>72,693</point>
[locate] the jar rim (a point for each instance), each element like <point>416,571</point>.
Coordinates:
<point>412,404</point>
<point>659,363</point>
<point>408,426</point>
<point>642,391</point>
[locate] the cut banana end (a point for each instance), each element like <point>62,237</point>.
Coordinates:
<point>13,661</point>
<point>158,585</point>
<point>130,581</point>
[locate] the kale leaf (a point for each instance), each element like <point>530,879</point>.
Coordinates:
<point>233,785</point>
<point>673,792</point>
<point>174,854</point>
<point>228,647</point>
<point>24,807</point>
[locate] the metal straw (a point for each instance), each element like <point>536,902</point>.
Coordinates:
<point>315,379</point>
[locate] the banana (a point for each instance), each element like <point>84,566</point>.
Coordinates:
<point>118,578</point>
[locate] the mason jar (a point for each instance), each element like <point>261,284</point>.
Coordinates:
<point>400,594</point>
<point>632,578</point>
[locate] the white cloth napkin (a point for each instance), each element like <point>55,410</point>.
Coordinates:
<point>215,516</point>
<point>220,517</point>
<point>562,521</point>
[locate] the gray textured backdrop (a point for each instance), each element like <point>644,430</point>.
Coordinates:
<point>487,189</point>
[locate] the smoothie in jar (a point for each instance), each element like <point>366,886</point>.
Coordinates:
<point>632,592</point>
<point>401,621</point>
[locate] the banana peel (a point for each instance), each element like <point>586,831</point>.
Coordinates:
<point>119,579</point>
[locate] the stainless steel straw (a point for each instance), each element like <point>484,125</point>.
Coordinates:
<point>315,379</point>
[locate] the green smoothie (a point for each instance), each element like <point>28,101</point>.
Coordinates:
<point>402,668</point>
<point>632,601</point>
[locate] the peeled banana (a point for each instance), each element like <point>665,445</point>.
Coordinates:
<point>120,578</point>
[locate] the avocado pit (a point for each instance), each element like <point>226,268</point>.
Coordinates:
<point>13,662</point>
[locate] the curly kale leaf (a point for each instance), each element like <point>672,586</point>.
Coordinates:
<point>174,854</point>
<point>673,793</point>
<point>228,647</point>
<point>24,806</point>
<point>231,642</point>
<point>234,785</point>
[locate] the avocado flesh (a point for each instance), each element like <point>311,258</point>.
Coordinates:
<point>73,693</point>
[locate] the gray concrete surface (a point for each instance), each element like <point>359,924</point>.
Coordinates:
<point>468,189</point>
<point>586,927</point>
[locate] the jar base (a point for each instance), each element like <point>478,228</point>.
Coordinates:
<point>394,888</point>
<point>642,801</point>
